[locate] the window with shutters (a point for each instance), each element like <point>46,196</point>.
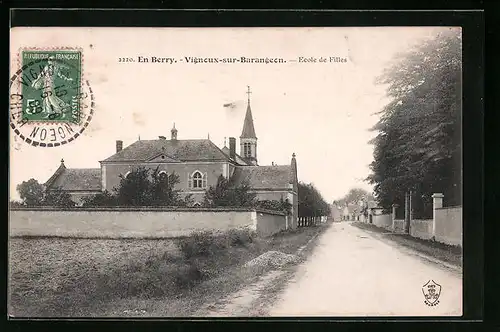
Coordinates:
<point>197,180</point>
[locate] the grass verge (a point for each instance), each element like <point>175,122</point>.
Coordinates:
<point>63,277</point>
<point>444,252</point>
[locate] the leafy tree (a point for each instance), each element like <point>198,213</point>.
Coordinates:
<point>187,201</point>
<point>241,196</point>
<point>16,204</point>
<point>311,202</point>
<point>163,192</point>
<point>104,198</point>
<point>142,187</point>
<point>225,193</point>
<point>281,205</point>
<point>58,198</point>
<point>354,196</point>
<point>217,195</point>
<point>135,189</point>
<point>418,145</point>
<point>31,192</point>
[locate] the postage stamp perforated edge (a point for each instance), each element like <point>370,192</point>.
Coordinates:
<point>84,83</point>
<point>52,49</point>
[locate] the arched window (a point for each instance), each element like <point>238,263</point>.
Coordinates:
<point>163,175</point>
<point>197,180</point>
<point>247,149</point>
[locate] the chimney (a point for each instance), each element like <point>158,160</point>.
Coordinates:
<point>232,148</point>
<point>119,146</point>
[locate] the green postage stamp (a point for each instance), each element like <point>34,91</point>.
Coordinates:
<point>51,85</point>
<point>51,102</point>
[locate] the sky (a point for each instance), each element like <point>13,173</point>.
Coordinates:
<point>321,111</point>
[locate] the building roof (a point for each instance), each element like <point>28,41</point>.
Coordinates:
<point>180,150</point>
<point>239,159</point>
<point>352,208</point>
<point>248,128</point>
<point>76,179</point>
<point>263,177</point>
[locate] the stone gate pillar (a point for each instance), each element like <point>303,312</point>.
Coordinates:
<point>437,203</point>
<point>407,213</point>
<point>394,208</point>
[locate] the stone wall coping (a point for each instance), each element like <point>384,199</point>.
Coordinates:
<point>148,209</point>
<point>449,207</point>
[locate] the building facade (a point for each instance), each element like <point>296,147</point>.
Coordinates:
<point>197,162</point>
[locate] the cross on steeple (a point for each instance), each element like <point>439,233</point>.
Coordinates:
<point>248,93</point>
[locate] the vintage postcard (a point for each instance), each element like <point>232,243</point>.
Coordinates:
<point>235,172</point>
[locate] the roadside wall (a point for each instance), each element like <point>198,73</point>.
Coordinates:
<point>449,225</point>
<point>382,220</point>
<point>421,228</point>
<point>269,223</point>
<point>445,227</point>
<point>139,222</point>
<point>399,226</point>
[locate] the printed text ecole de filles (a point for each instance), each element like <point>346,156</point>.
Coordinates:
<point>232,60</point>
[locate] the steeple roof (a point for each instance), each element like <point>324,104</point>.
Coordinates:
<point>248,128</point>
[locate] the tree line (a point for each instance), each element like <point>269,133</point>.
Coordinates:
<point>147,187</point>
<point>418,145</point>
<point>353,198</point>
<point>311,202</point>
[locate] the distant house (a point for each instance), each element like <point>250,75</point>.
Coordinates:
<point>373,210</point>
<point>351,211</point>
<point>336,211</point>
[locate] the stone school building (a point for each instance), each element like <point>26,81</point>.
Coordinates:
<point>197,162</point>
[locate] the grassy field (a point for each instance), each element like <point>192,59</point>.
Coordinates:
<point>63,277</point>
<point>447,253</point>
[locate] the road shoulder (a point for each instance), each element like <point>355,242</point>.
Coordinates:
<point>257,298</point>
<point>448,257</point>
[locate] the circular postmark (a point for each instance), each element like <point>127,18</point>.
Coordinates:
<point>51,104</point>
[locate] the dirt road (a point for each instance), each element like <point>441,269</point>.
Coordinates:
<point>352,272</point>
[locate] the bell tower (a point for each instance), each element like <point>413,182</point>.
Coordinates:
<point>248,139</point>
<point>173,133</point>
